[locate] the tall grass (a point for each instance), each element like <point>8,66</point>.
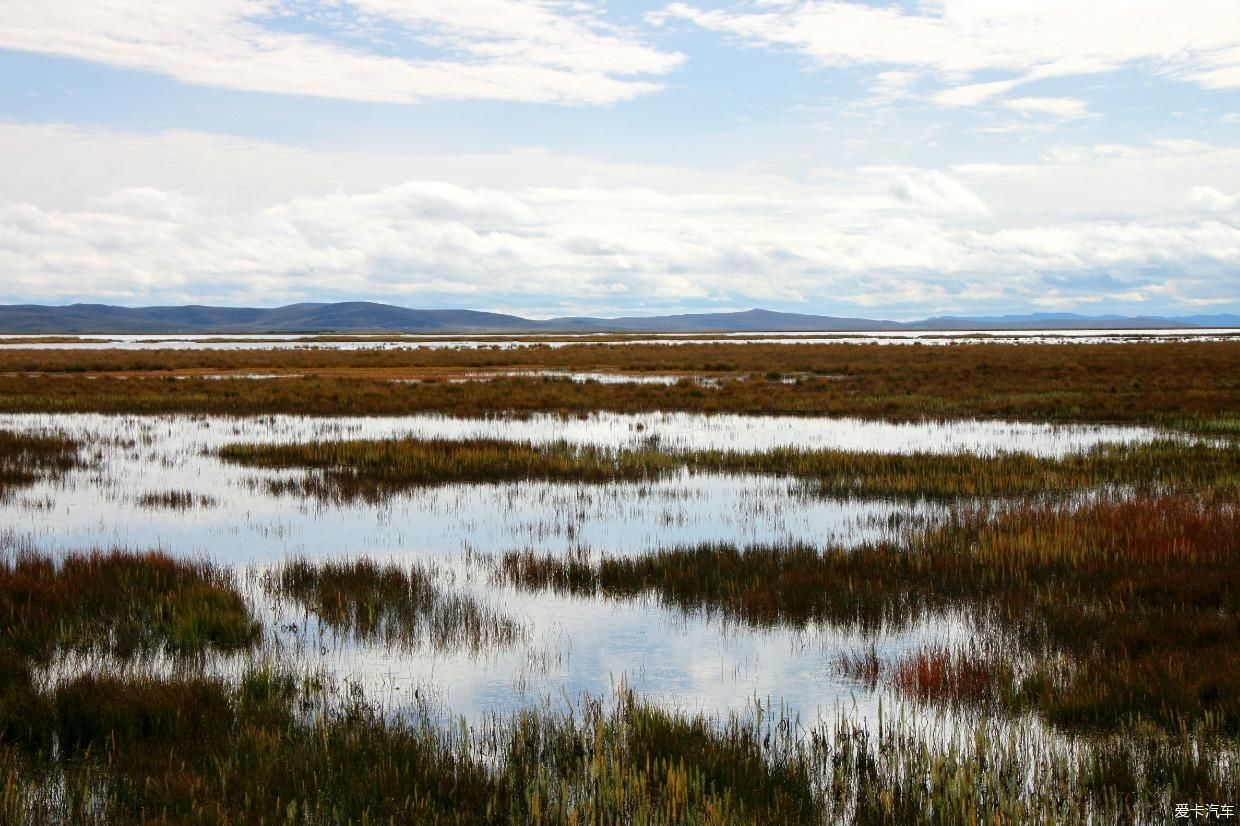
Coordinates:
<point>370,469</point>
<point>119,602</point>
<point>1188,385</point>
<point>1128,609</point>
<point>276,749</point>
<point>399,605</point>
<point>25,458</point>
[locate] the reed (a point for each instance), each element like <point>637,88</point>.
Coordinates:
<point>179,500</point>
<point>276,748</point>
<point>1186,385</point>
<point>115,603</point>
<point>118,603</point>
<point>27,458</point>
<point>367,469</point>
<point>1126,609</point>
<point>397,605</point>
<point>372,469</point>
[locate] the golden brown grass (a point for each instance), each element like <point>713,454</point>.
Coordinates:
<point>1190,384</point>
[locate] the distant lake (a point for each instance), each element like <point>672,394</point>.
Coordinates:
<point>387,341</point>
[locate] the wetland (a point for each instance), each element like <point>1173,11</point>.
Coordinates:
<point>717,582</point>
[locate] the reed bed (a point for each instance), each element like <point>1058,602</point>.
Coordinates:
<point>120,603</point>
<point>368,468</point>
<point>26,458</point>
<point>116,603</point>
<point>274,745</point>
<point>275,749</point>
<point>397,605</point>
<point>1128,608</point>
<point>178,500</point>
<point>372,469</point>
<point>938,674</point>
<point>1193,385</point>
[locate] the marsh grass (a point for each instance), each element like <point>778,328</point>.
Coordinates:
<point>1105,604</point>
<point>396,605</point>
<point>115,603</point>
<point>179,500</point>
<point>277,748</point>
<point>1128,608</point>
<point>937,674</point>
<point>373,469</point>
<point>273,745</point>
<point>27,458</point>
<point>120,603</point>
<point>1193,386</point>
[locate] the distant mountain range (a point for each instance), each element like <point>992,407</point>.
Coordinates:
<point>361,316</point>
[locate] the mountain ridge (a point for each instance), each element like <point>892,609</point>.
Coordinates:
<point>372,317</point>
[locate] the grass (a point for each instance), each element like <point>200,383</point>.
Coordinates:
<point>1107,611</point>
<point>274,748</point>
<point>1192,385</point>
<point>372,469</point>
<point>119,602</point>
<point>1122,613</point>
<point>394,604</point>
<point>1128,608</point>
<point>937,674</point>
<point>179,500</point>
<point>116,603</point>
<point>25,458</point>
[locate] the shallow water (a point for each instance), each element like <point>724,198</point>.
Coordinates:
<point>570,644</point>
<point>394,341</point>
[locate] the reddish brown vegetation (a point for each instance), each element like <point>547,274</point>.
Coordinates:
<point>1191,384</point>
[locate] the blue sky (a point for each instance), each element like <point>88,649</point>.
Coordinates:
<point>888,160</point>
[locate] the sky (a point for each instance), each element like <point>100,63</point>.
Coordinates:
<point>560,157</point>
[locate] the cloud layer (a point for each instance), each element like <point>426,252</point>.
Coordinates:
<point>539,51</point>
<point>579,236</point>
<point>958,43</point>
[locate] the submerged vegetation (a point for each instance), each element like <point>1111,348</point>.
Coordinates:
<point>1093,599</point>
<point>25,459</point>
<point>276,747</point>
<point>398,605</point>
<point>1126,609</point>
<point>370,469</point>
<point>1190,385</point>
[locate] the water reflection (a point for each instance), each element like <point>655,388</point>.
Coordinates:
<point>569,644</point>
<point>396,341</point>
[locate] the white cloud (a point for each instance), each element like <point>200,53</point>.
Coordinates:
<point>939,192</point>
<point>1139,183</point>
<point>533,50</point>
<point>1211,199</point>
<point>564,233</point>
<point>956,40</point>
<point>891,86</point>
<point>1066,108</point>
